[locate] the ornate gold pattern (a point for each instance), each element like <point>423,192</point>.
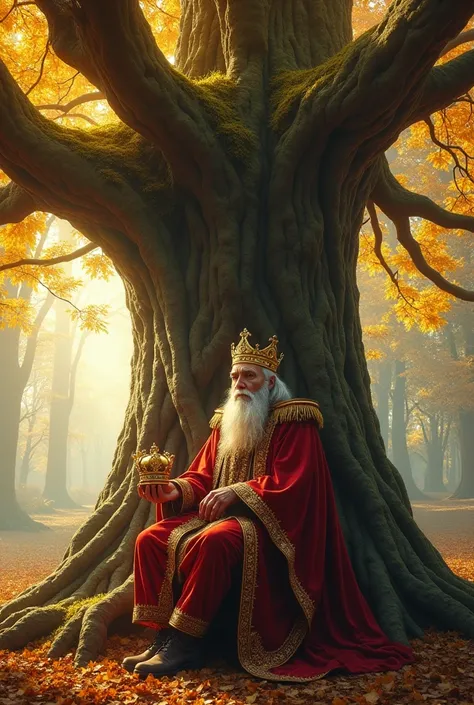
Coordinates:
<point>154,467</point>
<point>252,655</point>
<point>281,541</point>
<point>148,613</point>
<point>187,494</point>
<point>229,468</point>
<point>245,352</point>
<point>188,624</point>
<point>261,452</point>
<point>166,598</point>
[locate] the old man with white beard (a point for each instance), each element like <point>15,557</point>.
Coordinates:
<point>255,514</point>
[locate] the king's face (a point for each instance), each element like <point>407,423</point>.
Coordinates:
<point>246,378</point>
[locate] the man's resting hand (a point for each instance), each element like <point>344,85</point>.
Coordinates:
<point>215,503</point>
<point>158,494</point>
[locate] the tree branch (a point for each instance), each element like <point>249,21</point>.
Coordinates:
<point>79,100</point>
<point>145,91</point>
<point>53,260</point>
<point>399,204</point>
<point>15,204</point>
<point>14,6</point>
<point>390,61</point>
<point>452,150</point>
<point>40,75</point>
<point>42,157</point>
<point>378,239</point>
<point>65,38</point>
<point>443,85</point>
<point>462,38</point>
<point>87,118</point>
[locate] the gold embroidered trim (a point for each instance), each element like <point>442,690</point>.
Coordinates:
<point>281,541</point>
<point>147,613</point>
<point>261,453</point>
<point>187,493</point>
<point>188,624</point>
<point>297,410</point>
<point>166,598</point>
<point>216,419</point>
<point>252,655</point>
<point>284,412</point>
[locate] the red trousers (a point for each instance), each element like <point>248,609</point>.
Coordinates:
<point>204,567</point>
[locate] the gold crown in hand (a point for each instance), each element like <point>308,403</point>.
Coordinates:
<point>154,467</point>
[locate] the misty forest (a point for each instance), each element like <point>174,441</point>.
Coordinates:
<point>172,171</point>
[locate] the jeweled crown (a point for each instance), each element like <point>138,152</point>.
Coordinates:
<point>154,467</point>
<point>245,352</point>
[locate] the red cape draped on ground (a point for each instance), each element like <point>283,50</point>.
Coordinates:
<point>301,611</point>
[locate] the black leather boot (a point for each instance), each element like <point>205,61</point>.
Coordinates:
<point>181,652</point>
<point>130,662</point>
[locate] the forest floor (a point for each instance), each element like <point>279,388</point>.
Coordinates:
<point>442,673</point>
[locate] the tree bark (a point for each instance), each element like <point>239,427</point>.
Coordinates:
<point>234,201</point>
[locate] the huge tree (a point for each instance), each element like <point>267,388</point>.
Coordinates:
<point>230,192</point>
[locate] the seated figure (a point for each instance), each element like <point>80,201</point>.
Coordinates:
<point>255,513</point>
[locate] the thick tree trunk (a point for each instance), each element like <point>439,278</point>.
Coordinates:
<point>401,458</point>
<point>259,229</point>
<point>55,487</point>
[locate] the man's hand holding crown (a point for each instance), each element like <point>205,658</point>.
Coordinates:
<point>159,494</point>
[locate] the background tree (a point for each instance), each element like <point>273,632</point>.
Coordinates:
<point>17,316</point>
<point>65,364</point>
<point>35,429</point>
<point>231,191</point>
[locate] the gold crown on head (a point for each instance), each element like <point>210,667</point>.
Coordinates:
<point>154,467</point>
<point>244,352</point>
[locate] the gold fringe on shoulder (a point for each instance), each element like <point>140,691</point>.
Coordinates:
<point>285,411</point>
<point>297,410</point>
<point>215,421</point>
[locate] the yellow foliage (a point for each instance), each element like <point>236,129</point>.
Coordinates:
<point>91,317</point>
<point>373,354</point>
<point>16,313</point>
<point>377,332</point>
<point>422,308</point>
<point>97,266</point>
<point>440,159</point>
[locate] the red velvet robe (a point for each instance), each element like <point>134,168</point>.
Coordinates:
<point>301,614</point>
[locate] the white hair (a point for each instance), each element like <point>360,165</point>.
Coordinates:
<point>243,422</point>
<point>280,391</point>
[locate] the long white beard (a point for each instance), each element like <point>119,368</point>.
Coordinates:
<point>243,420</point>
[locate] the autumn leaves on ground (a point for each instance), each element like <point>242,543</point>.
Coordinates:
<point>443,671</point>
